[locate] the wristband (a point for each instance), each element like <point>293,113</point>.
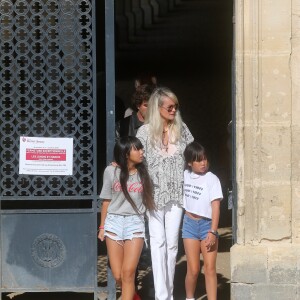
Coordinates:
<point>101,227</point>
<point>215,233</point>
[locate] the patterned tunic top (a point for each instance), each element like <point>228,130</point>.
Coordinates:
<point>165,169</point>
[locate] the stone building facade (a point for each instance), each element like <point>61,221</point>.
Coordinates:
<point>265,261</point>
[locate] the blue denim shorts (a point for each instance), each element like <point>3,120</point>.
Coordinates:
<point>195,229</point>
<point>121,228</point>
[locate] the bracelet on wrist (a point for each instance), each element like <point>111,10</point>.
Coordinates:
<point>215,233</point>
<point>101,227</point>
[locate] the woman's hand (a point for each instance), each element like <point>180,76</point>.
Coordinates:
<point>101,235</point>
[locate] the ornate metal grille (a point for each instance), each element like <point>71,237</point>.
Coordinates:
<point>46,90</point>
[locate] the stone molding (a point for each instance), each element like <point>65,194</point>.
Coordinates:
<point>263,120</point>
<point>265,262</point>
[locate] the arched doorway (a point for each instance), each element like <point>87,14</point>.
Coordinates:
<point>188,46</point>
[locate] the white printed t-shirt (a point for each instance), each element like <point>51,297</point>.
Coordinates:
<point>199,191</point>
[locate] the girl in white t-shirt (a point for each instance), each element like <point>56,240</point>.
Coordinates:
<point>201,201</point>
<point>126,194</point>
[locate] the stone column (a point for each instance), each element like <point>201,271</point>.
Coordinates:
<point>295,69</point>
<point>265,261</point>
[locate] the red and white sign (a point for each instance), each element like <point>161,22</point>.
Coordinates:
<point>46,156</point>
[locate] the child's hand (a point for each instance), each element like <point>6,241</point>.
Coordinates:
<point>101,235</point>
<point>210,242</point>
<point>114,164</point>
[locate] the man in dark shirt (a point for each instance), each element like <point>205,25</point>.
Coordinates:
<point>130,124</point>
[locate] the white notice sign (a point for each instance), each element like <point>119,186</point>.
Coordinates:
<point>46,156</point>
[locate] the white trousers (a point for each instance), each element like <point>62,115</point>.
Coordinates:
<point>164,232</point>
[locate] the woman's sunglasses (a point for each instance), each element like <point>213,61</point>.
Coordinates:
<point>170,108</point>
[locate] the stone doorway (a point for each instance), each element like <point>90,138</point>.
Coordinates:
<point>188,46</point>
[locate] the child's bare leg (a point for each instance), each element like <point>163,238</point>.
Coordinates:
<point>115,251</point>
<point>192,251</point>
<point>132,252</point>
<point>210,258</point>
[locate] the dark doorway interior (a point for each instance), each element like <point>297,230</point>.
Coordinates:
<point>187,44</point>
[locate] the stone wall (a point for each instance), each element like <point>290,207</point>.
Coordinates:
<point>295,135</point>
<point>265,262</point>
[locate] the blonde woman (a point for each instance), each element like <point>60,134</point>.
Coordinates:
<point>164,137</point>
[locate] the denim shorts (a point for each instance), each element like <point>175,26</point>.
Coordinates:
<point>195,229</point>
<point>121,228</point>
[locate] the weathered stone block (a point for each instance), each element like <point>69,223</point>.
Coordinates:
<point>247,153</point>
<point>275,212</point>
<point>298,293</point>
<point>283,264</point>
<point>275,155</point>
<point>276,90</point>
<point>296,212</point>
<point>274,292</point>
<point>241,291</point>
<point>295,151</point>
<point>275,34</point>
<point>295,70</point>
<point>249,264</point>
<point>250,230</point>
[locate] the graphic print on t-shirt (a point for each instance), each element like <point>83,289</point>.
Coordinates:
<point>132,187</point>
<point>193,192</point>
<point>199,191</point>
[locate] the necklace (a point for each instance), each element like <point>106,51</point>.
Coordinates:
<point>132,172</point>
<point>167,129</point>
<point>163,145</point>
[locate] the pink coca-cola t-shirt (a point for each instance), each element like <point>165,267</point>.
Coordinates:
<point>111,190</point>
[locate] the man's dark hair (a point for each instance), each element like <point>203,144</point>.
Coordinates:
<point>142,93</point>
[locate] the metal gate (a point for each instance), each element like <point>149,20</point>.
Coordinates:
<point>47,89</point>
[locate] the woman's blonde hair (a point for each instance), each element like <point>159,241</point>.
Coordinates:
<point>154,119</point>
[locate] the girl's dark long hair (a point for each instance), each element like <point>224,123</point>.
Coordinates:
<point>121,153</point>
